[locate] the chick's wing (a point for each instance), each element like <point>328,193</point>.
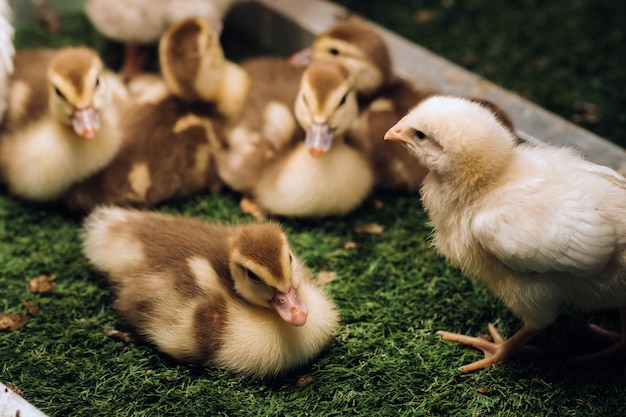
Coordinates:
<point>540,229</point>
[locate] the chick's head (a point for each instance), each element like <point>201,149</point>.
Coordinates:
<point>266,273</point>
<point>455,137</point>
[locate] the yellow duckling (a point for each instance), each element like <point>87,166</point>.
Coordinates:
<point>320,175</point>
<point>62,121</point>
<point>233,296</point>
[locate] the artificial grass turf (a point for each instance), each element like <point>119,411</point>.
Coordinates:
<point>393,292</point>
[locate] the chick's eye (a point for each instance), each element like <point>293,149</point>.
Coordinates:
<point>252,276</point>
<point>419,134</point>
<point>333,51</point>
<point>343,100</point>
<point>97,82</point>
<point>59,93</point>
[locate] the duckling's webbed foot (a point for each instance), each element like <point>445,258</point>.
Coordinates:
<point>249,206</point>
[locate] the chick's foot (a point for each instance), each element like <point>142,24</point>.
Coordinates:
<point>497,351</point>
<point>618,347</point>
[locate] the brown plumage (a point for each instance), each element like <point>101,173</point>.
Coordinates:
<point>172,131</point>
<point>233,296</point>
<point>266,127</point>
<point>62,121</point>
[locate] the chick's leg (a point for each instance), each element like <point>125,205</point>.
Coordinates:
<point>618,338</point>
<point>497,351</point>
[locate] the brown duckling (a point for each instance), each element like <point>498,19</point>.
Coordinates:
<point>61,124</point>
<point>171,134</point>
<point>233,296</point>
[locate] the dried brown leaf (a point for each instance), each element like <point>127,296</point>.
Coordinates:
<point>304,380</point>
<point>120,336</point>
<point>12,322</point>
<point>372,228</point>
<point>43,283</point>
<point>324,277</point>
<point>15,389</point>
<point>31,308</point>
<point>350,245</point>
<point>378,204</point>
<point>424,16</point>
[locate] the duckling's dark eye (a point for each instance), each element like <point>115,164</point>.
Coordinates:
<point>290,258</point>
<point>97,82</point>
<point>343,100</point>
<point>419,134</point>
<point>333,51</point>
<point>59,93</point>
<point>252,276</point>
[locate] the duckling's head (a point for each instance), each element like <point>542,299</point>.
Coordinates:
<point>326,105</point>
<point>457,137</point>
<point>266,273</point>
<point>77,90</point>
<point>358,47</point>
<point>192,60</point>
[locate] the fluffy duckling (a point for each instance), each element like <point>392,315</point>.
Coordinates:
<point>171,132</point>
<point>62,121</point>
<point>359,48</point>
<point>137,22</point>
<point>383,98</point>
<point>321,175</point>
<point>540,226</point>
<point>7,51</point>
<point>230,296</point>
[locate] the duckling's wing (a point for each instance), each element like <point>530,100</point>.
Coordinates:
<point>549,230</point>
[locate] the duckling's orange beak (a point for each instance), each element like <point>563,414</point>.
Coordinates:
<point>396,134</point>
<point>86,122</point>
<point>290,306</point>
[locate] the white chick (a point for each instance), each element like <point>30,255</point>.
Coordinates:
<point>540,226</point>
<point>7,50</point>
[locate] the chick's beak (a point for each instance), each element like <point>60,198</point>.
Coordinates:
<point>319,137</point>
<point>86,122</point>
<point>396,134</point>
<point>290,306</point>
